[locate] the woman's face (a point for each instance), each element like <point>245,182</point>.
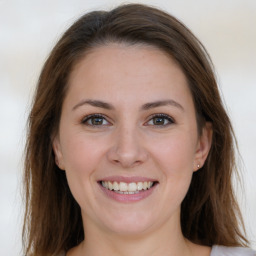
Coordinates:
<point>128,139</point>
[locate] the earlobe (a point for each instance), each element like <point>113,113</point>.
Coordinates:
<point>58,153</point>
<point>204,146</point>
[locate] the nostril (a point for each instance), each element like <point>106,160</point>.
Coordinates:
<point>127,154</point>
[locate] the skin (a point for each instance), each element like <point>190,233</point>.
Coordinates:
<point>126,142</point>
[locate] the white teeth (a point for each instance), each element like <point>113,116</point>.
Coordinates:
<point>115,186</point>
<point>139,186</point>
<point>145,185</point>
<point>127,188</point>
<point>132,187</point>
<point>110,185</point>
<point>123,186</point>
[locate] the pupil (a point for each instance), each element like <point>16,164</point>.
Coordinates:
<point>158,121</point>
<point>97,121</point>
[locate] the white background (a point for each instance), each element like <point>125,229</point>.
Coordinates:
<point>29,29</point>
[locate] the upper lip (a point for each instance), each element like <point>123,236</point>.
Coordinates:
<point>127,179</point>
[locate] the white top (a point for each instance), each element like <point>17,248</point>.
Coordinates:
<point>218,250</point>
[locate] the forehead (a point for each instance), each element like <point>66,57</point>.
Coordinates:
<point>120,53</point>
<point>131,70</point>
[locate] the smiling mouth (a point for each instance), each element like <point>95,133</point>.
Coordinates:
<point>128,188</point>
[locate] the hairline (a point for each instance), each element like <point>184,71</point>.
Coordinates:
<point>114,41</point>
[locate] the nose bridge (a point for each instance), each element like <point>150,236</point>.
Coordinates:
<point>127,140</point>
<point>127,149</point>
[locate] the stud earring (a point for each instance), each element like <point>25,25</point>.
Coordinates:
<point>198,166</point>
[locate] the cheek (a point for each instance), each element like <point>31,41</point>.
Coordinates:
<point>80,152</point>
<point>175,158</point>
<point>76,156</point>
<point>175,153</point>
<point>81,158</point>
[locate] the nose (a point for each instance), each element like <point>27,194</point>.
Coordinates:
<point>127,149</point>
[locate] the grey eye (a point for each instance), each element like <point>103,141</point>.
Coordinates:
<point>95,120</point>
<point>160,120</point>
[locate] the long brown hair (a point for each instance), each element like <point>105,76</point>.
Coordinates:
<point>209,213</point>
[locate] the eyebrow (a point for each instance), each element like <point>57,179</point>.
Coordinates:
<point>147,106</point>
<point>161,103</point>
<point>94,103</point>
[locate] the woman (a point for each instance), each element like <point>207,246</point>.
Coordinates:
<point>129,149</point>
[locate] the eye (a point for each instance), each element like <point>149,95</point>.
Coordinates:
<point>95,120</point>
<point>160,120</point>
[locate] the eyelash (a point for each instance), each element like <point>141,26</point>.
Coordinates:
<point>88,118</point>
<point>161,116</point>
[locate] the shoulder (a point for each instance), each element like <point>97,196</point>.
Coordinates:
<point>218,250</point>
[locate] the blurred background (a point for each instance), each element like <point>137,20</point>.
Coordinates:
<point>28,31</point>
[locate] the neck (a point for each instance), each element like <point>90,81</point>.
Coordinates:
<point>123,246</point>
<point>166,240</point>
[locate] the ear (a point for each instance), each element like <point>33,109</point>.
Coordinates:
<point>203,146</point>
<point>58,152</point>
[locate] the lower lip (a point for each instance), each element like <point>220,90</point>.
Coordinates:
<point>128,198</point>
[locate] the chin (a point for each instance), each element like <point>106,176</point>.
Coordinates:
<point>129,230</point>
<point>133,224</point>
